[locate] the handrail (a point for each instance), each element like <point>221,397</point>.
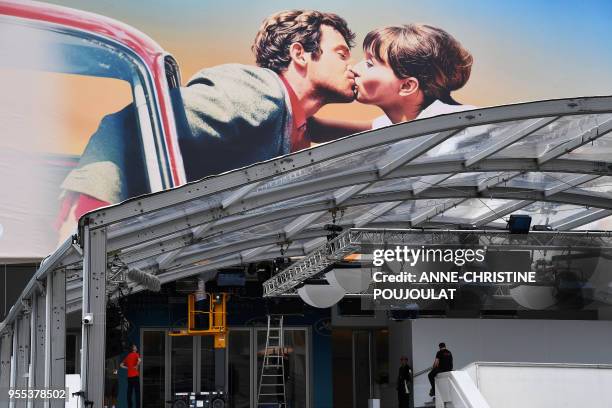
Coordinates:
<point>423,371</point>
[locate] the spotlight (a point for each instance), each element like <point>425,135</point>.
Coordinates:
<point>519,224</point>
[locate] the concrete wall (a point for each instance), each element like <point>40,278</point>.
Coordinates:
<point>470,340</point>
<point>543,386</point>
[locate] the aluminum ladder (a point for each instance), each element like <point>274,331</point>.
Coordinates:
<point>272,380</point>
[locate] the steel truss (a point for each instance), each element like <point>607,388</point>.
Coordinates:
<point>356,240</point>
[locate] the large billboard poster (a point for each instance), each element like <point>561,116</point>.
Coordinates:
<point>85,122</point>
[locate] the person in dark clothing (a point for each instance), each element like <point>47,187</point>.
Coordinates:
<point>442,364</point>
<point>404,382</point>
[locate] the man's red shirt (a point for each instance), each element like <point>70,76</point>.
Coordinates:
<point>299,139</point>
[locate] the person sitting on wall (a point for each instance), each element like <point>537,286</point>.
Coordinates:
<point>442,363</point>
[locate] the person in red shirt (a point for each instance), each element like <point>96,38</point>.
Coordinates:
<point>131,362</point>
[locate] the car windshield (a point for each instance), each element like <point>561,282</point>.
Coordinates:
<point>56,89</point>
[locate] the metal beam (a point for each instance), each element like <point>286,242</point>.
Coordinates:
<point>573,182</point>
<point>580,140</point>
<point>339,148</point>
<point>388,200</point>
<point>272,238</point>
<point>222,262</point>
<point>300,223</point>
<point>23,356</point>
<point>164,227</point>
<point>507,138</point>
<point>14,358</point>
<point>497,180</point>
<point>168,257</point>
<point>165,246</point>
<point>6,345</point>
<point>64,253</point>
<point>56,333</point>
<point>375,212</point>
<point>580,219</point>
<point>38,356</point>
<point>94,306</point>
<point>501,211</point>
<point>429,181</point>
<point>249,254</point>
<point>239,194</point>
<point>428,214</point>
<point>344,193</point>
<point>406,151</point>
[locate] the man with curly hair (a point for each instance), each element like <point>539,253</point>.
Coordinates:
<point>303,61</point>
<point>228,116</point>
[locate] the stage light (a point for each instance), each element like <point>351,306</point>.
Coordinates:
<point>519,224</point>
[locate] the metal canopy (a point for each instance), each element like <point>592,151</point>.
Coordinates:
<point>550,159</point>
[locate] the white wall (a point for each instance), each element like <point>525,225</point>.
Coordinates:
<point>545,386</point>
<point>511,340</point>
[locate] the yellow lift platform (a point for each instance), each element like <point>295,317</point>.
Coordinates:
<point>217,319</point>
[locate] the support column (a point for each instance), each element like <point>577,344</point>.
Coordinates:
<point>37,351</point>
<point>23,356</point>
<point>94,305</point>
<point>6,344</point>
<point>400,344</point>
<point>14,358</point>
<point>55,371</point>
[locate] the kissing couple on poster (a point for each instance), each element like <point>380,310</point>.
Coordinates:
<point>230,116</point>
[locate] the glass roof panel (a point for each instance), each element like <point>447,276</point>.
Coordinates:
<point>462,146</point>
<point>291,203</point>
<point>221,239</point>
<point>475,208</point>
<point>400,184</point>
<point>348,163</point>
<point>602,224</point>
<point>553,135</point>
<point>599,185</point>
<point>174,212</point>
<point>600,150</point>
<point>469,141</point>
<point>345,216</point>
<point>413,207</point>
<point>544,213</point>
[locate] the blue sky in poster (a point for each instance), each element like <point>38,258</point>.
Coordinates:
<point>523,50</point>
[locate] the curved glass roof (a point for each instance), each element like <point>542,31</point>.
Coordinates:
<point>551,160</point>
